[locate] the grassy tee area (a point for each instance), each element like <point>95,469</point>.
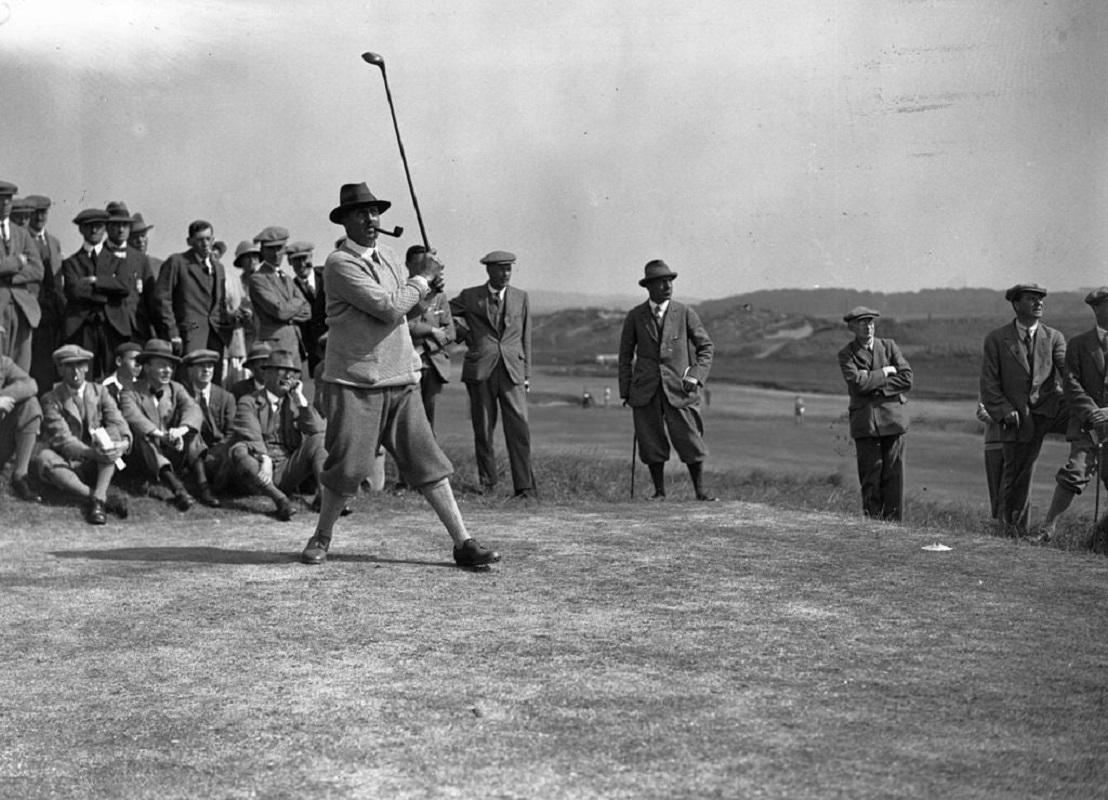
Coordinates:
<point>770,645</point>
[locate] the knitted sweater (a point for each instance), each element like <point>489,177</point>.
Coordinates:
<point>368,344</point>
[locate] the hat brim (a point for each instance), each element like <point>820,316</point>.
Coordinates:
<point>338,211</point>
<point>644,281</point>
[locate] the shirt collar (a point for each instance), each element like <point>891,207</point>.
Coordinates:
<point>273,399</point>
<point>365,252</point>
<point>1026,329</point>
<point>659,308</point>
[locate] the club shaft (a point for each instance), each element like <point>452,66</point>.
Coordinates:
<point>404,158</point>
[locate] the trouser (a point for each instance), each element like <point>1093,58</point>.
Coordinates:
<point>881,475</point>
<point>430,387</point>
<point>684,426</point>
<point>994,468</point>
<point>487,399</point>
<point>1019,467</point>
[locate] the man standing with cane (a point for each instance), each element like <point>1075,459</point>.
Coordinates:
<point>1085,401</point>
<point>664,358</point>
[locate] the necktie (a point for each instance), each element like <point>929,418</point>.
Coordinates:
<point>1029,341</point>
<point>4,229</point>
<point>164,406</point>
<point>494,309</point>
<point>658,317</point>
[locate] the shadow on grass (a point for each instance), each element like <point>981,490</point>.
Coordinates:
<point>218,555</point>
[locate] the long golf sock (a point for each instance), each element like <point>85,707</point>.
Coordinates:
<point>658,475</point>
<point>330,509</point>
<point>24,448</point>
<point>441,498</point>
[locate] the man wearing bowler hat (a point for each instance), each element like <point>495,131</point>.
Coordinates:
<point>494,321</point>
<point>279,307</point>
<point>878,378</point>
<point>97,287</point>
<point>75,456</point>
<point>20,276</point>
<point>664,359</point>
<point>165,422</point>
<point>278,436</point>
<point>1022,369</point>
<point>191,295</point>
<point>1086,403</point>
<point>371,378</point>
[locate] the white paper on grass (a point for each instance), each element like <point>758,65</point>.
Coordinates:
<point>935,548</point>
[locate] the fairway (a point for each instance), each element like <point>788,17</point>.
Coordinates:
<point>634,650</point>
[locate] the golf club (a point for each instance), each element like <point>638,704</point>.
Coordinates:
<point>634,448</point>
<point>377,61</point>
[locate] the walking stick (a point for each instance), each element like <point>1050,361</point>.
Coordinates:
<point>634,448</point>
<point>1098,545</point>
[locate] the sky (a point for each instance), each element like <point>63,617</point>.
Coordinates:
<point>885,145</point>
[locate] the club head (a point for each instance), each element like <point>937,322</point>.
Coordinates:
<point>374,59</point>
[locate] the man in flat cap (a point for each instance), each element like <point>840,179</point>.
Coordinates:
<point>20,422</point>
<point>278,307</point>
<point>1022,369</point>
<point>370,375</point>
<point>191,294</point>
<point>21,211</point>
<point>1086,404</point>
<point>164,423</point>
<point>878,378</point>
<point>494,321</point>
<point>84,437</point>
<point>51,301</point>
<point>217,408</point>
<point>98,287</point>
<point>126,372</point>
<point>255,361</point>
<point>20,276</point>
<point>277,436</point>
<point>309,282</point>
<point>665,356</point>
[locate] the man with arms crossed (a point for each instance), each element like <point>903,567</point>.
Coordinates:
<point>878,377</point>
<point>371,378</point>
<point>1021,387</point>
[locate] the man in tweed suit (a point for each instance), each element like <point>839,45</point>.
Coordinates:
<point>1021,387</point>
<point>494,321</point>
<point>664,359</point>
<point>878,377</point>
<point>1086,404</point>
<point>370,375</point>
<point>71,457</point>
<point>279,307</point>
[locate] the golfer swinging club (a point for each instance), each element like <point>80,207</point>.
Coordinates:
<point>371,377</point>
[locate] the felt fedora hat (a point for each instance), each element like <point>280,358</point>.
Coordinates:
<point>157,348</point>
<point>355,195</point>
<point>654,270</point>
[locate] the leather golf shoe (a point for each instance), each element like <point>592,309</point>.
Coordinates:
<point>21,488</point>
<point>315,552</point>
<point>205,496</point>
<point>707,498</point>
<point>95,513</point>
<point>183,500</point>
<point>471,554</point>
<point>658,496</point>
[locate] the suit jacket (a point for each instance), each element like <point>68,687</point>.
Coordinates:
<point>108,297</point>
<point>1007,384</point>
<point>279,307</point>
<point>218,415</point>
<point>66,432</point>
<point>254,420</point>
<point>1083,383</point>
<point>649,358</point>
<point>430,314</point>
<point>50,297</point>
<point>316,325</point>
<point>19,283</point>
<point>140,408</point>
<point>487,343</point>
<point>190,302</point>
<point>15,382</point>
<point>876,400</point>
<point>142,304</point>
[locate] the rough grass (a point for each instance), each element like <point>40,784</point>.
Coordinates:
<point>623,649</point>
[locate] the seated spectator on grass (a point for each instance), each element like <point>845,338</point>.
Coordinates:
<point>164,424</point>
<point>254,381</point>
<point>217,406</point>
<point>278,436</point>
<point>74,455</point>
<point>20,421</point>
<point>127,370</point>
